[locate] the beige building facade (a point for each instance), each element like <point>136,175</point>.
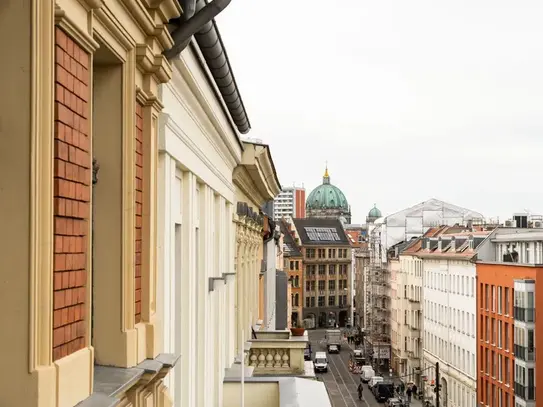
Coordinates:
<point>256,183</point>
<point>86,75</point>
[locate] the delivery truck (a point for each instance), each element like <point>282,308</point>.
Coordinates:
<point>333,337</point>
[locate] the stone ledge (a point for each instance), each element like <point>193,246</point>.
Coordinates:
<point>111,383</point>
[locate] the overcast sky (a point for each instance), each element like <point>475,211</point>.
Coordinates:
<point>406,100</point>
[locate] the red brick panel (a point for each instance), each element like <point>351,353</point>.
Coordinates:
<point>72,176</point>
<point>139,207</point>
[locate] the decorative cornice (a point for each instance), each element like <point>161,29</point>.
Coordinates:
<point>148,100</point>
<point>150,63</point>
<point>83,38</point>
<point>104,16</point>
<point>189,142</point>
<point>94,4</point>
<point>244,181</point>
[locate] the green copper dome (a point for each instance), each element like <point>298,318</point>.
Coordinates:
<point>326,196</point>
<point>374,212</point>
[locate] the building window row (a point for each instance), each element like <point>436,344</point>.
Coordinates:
<point>453,283</point>
<point>321,253</point>
<point>495,331</point>
<point>495,299</point>
<point>321,301</point>
<point>294,265</point>
<point>458,320</point>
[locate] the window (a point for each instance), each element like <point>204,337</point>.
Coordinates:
<point>493,330</point>
<point>307,302</point>
<point>506,336</point>
<point>321,253</point>
<point>297,264</point>
<point>499,367</point>
<point>322,269</point>
<point>493,298</point>
<point>340,284</point>
<point>500,300</point>
<point>332,269</point>
<point>332,285</point>
<point>312,301</point>
<point>310,253</point>
<point>308,286</point>
<point>321,300</point>
<point>499,333</point>
<point>487,299</point>
<point>331,301</point>
<point>332,253</point>
<point>506,301</point>
<point>313,283</point>
<point>322,285</point>
<point>292,265</point>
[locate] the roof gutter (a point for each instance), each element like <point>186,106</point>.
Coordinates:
<point>199,21</point>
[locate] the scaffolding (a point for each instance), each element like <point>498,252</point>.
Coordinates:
<point>377,304</point>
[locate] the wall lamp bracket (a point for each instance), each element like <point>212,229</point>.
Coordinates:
<point>212,282</point>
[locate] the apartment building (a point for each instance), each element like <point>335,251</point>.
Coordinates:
<point>357,235</point>
<point>410,292</point>
<point>508,273</point>
<point>290,203</point>
<point>79,129</point>
<point>294,265</point>
<point>199,148</point>
<point>449,294</point>
<point>327,265</point>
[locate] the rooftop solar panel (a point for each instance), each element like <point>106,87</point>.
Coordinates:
<point>322,234</point>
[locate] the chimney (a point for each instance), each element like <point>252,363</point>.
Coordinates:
<point>439,244</point>
<point>453,244</point>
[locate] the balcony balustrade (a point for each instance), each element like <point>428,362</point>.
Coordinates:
<point>277,353</point>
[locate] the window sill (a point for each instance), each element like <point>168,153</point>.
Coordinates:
<point>110,383</point>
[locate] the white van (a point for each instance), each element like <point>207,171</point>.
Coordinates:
<point>320,363</point>
<point>366,374</point>
<point>374,380</point>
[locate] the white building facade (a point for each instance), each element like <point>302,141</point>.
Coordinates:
<point>410,275</point>
<point>449,310</point>
<point>289,203</point>
<point>199,148</point>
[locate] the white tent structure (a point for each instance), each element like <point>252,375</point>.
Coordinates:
<point>415,221</point>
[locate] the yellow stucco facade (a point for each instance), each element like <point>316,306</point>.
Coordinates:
<point>122,41</point>
<point>256,183</point>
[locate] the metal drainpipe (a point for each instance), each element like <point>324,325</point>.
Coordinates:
<point>182,35</point>
<point>189,8</point>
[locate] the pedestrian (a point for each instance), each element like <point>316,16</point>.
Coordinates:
<point>414,390</point>
<point>408,393</point>
<point>360,389</point>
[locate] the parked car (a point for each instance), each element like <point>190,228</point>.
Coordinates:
<point>394,402</point>
<point>307,352</point>
<point>383,391</point>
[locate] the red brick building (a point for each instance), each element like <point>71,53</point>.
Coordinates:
<point>507,336</point>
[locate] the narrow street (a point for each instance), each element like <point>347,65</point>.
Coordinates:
<point>340,383</point>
